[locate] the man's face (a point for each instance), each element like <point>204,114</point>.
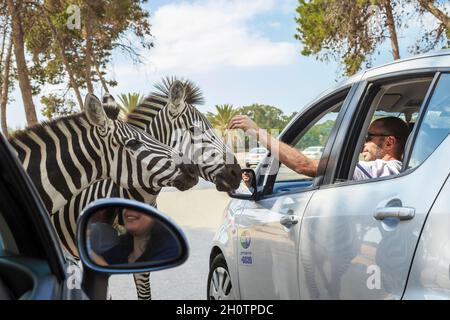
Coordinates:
<point>374,148</point>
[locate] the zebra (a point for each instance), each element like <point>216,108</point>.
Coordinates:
<point>65,156</point>
<point>170,111</point>
<point>172,108</point>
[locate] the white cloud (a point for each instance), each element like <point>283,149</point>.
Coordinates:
<point>206,35</point>
<point>274,24</point>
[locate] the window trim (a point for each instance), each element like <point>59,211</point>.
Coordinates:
<point>422,113</point>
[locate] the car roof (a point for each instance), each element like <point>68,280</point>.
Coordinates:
<point>435,59</point>
<point>432,59</point>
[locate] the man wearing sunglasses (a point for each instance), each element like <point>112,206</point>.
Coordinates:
<point>382,151</point>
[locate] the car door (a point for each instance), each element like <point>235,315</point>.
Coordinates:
<point>268,228</point>
<point>351,245</point>
<point>32,265</point>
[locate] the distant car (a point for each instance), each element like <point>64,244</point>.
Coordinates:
<point>314,152</point>
<point>254,156</point>
<point>34,265</point>
<point>329,236</point>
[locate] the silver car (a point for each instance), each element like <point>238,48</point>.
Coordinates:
<point>254,156</point>
<point>314,152</point>
<point>329,237</point>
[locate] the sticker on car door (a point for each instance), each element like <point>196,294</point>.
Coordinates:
<point>245,240</point>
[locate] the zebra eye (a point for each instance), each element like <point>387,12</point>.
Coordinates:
<point>133,144</point>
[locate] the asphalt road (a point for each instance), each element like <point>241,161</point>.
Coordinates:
<point>199,213</point>
<point>187,281</point>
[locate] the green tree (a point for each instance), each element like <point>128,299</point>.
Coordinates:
<point>317,135</point>
<point>18,14</point>
<point>7,72</point>
<point>222,118</point>
<point>348,30</point>
<point>57,106</point>
<point>438,36</point>
<point>266,116</point>
<point>79,55</point>
<point>129,101</point>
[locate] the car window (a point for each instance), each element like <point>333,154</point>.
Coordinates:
<point>311,144</point>
<point>435,126</point>
<point>390,110</point>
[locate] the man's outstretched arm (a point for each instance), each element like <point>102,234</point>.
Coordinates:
<point>289,156</point>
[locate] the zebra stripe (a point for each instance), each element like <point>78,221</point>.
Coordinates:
<point>61,163</point>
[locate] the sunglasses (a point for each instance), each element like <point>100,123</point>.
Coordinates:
<point>370,136</point>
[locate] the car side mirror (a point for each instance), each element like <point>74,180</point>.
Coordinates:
<point>247,187</point>
<point>117,235</point>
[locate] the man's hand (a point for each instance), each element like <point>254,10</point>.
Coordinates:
<point>244,123</point>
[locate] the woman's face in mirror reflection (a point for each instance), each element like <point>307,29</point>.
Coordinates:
<point>136,223</point>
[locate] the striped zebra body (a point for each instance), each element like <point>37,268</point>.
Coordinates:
<point>66,156</point>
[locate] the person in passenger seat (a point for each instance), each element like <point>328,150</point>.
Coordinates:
<point>382,152</point>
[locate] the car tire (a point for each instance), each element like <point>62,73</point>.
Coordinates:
<point>219,281</point>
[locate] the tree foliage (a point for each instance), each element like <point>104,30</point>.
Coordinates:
<point>76,56</point>
<point>317,135</point>
<point>347,30</point>
<point>224,113</point>
<point>266,116</point>
<point>434,36</point>
<point>57,106</point>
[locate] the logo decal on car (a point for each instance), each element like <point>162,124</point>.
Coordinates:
<point>245,239</point>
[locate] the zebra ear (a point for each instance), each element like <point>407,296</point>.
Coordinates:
<point>177,95</point>
<point>112,108</point>
<point>108,100</point>
<point>94,111</point>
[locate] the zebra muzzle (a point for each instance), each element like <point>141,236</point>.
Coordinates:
<point>187,178</point>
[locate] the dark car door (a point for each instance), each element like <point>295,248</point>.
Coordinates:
<point>32,265</point>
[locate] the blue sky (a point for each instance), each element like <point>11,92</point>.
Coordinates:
<point>238,51</point>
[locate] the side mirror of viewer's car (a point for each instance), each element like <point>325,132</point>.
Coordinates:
<point>117,235</point>
<point>247,188</point>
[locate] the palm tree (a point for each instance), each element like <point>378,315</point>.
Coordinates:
<point>224,114</point>
<point>129,101</point>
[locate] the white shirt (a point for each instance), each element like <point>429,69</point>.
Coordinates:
<point>376,169</point>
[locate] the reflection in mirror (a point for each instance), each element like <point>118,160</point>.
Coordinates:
<point>248,183</point>
<point>124,236</point>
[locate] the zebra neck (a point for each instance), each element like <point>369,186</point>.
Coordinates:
<point>62,160</point>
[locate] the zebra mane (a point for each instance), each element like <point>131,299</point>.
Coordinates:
<point>193,93</point>
<point>111,112</point>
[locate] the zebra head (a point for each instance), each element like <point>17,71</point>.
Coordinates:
<point>170,116</point>
<point>134,159</point>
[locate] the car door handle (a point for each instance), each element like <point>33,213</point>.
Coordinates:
<point>402,213</point>
<point>289,220</point>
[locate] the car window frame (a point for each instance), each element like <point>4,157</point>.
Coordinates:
<point>33,209</point>
<point>316,109</point>
<point>354,120</point>
<point>422,113</point>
